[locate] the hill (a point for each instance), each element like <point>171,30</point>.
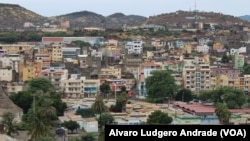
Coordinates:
<point>14,16</point>
<point>187,17</point>
<point>245,17</point>
<point>116,20</point>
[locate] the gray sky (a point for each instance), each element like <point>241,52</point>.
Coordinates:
<point>132,7</point>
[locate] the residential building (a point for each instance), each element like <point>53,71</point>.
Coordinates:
<point>57,54</point>
<point>28,70</point>
<point>238,61</point>
<point>187,48</point>
<point>56,76</point>
<point>134,47</point>
<point>16,48</point>
<point>202,48</point>
<point>70,52</point>
<point>72,87</point>
<point>90,87</point>
<point>217,46</point>
<point>6,74</point>
<point>110,72</point>
<point>45,59</point>
<point>15,87</point>
<point>196,76</point>
<point>219,80</point>
<point>112,51</point>
<point>144,71</point>
<point>173,65</point>
<point>230,72</point>
<point>132,64</point>
<point>90,125</point>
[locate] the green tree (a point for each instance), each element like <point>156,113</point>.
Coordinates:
<point>22,99</point>
<point>105,88</point>
<point>233,98</point>
<point>159,117</point>
<point>246,69</point>
<point>159,86</point>
<point>123,98</point>
<point>184,95</point>
<point>9,123</point>
<point>107,118</point>
<point>87,137</point>
<point>71,125</point>
<point>46,138</point>
<point>85,113</point>
<point>40,84</point>
<point>99,107</point>
<point>223,113</point>
<point>37,125</point>
<point>225,59</point>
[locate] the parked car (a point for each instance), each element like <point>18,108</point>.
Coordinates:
<point>60,131</point>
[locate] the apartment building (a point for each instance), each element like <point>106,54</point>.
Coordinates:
<point>72,87</point>
<point>55,75</point>
<point>91,87</point>
<point>112,51</point>
<point>16,48</point>
<point>57,55</point>
<point>110,72</point>
<point>144,71</point>
<point>196,76</point>
<point>219,80</point>
<point>134,47</point>
<point>238,61</point>
<point>14,87</point>
<point>28,70</point>
<point>44,58</point>
<point>6,74</point>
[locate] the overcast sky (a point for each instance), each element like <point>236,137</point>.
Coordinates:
<point>132,7</point>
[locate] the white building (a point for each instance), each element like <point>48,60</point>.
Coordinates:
<point>6,74</point>
<point>240,50</point>
<point>203,48</point>
<point>134,46</point>
<point>90,125</point>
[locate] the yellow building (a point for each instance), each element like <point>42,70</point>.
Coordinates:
<point>218,81</point>
<point>56,55</point>
<point>16,48</point>
<point>216,46</point>
<point>28,70</point>
<point>110,72</point>
<point>187,48</point>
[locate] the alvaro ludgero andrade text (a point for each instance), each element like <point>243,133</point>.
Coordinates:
<point>161,134</point>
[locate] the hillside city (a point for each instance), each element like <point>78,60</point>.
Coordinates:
<point>194,74</point>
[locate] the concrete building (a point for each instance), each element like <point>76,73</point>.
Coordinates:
<point>196,76</point>
<point>134,47</point>
<point>6,74</point>
<point>67,40</point>
<point>56,76</point>
<point>29,70</point>
<point>144,71</point>
<point>16,48</point>
<point>110,72</point>
<point>57,54</point>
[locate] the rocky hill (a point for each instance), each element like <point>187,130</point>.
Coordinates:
<point>14,16</point>
<point>87,19</point>
<point>194,16</point>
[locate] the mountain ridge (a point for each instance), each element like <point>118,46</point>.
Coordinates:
<point>14,15</point>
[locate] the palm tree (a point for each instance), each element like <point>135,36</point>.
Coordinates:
<point>38,126</point>
<point>9,123</point>
<point>123,98</point>
<point>99,107</point>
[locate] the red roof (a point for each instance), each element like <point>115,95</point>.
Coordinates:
<point>52,39</point>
